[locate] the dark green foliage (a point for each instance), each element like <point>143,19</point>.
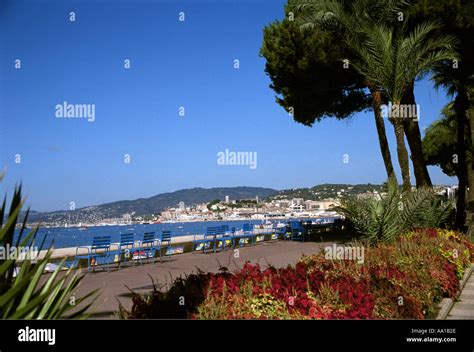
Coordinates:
<point>440,143</point>
<point>180,301</point>
<point>308,75</point>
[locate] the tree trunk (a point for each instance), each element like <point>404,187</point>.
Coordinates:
<point>412,131</point>
<point>470,170</point>
<point>402,152</point>
<point>461,107</point>
<point>379,123</point>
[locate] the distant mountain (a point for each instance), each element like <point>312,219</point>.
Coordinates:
<point>152,205</point>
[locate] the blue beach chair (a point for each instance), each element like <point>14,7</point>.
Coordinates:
<point>280,232</point>
<point>297,230</point>
<point>244,236</point>
<point>249,232</point>
<point>148,247</point>
<point>165,238</point>
<point>223,235</point>
<point>204,243</point>
<point>100,248</point>
<point>126,247</point>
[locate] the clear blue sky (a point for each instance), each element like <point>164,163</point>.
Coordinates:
<point>173,64</point>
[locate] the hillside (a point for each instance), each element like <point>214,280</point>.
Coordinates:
<point>326,191</point>
<point>152,205</point>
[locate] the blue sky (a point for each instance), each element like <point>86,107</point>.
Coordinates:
<point>173,64</point>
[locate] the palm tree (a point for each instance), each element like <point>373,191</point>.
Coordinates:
<point>380,126</point>
<point>308,18</point>
<point>387,55</point>
<point>413,135</point>
<point>394,60</point>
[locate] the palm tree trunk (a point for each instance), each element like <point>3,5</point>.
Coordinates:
<point>461,106</point>
<point>402,152</point>
<point>412,131</point>
<point>380,125</point>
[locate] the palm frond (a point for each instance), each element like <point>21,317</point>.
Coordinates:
<point>387,218</point>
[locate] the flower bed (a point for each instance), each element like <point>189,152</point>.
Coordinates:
<point>402,280</point>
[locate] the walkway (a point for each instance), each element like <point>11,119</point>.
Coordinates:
<point>464,307</point>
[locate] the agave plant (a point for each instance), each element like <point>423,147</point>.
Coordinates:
<point>385,217</point>
<point>25,293</point>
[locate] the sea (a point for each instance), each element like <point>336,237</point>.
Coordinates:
<point>63,237</point>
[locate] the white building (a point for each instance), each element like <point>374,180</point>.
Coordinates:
<point>297,201</point>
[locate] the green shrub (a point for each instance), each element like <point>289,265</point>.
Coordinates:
<point>386,218</point>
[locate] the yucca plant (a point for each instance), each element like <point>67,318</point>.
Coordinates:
<point>24,292</point>
<point>386,217</point>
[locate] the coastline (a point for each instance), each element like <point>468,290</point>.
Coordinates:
<point>186,221</point>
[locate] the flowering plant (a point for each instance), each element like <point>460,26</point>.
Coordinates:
<point>398,280</point>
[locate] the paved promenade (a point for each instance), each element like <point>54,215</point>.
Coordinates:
<point>464,307</point>
<point>113,285</point>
